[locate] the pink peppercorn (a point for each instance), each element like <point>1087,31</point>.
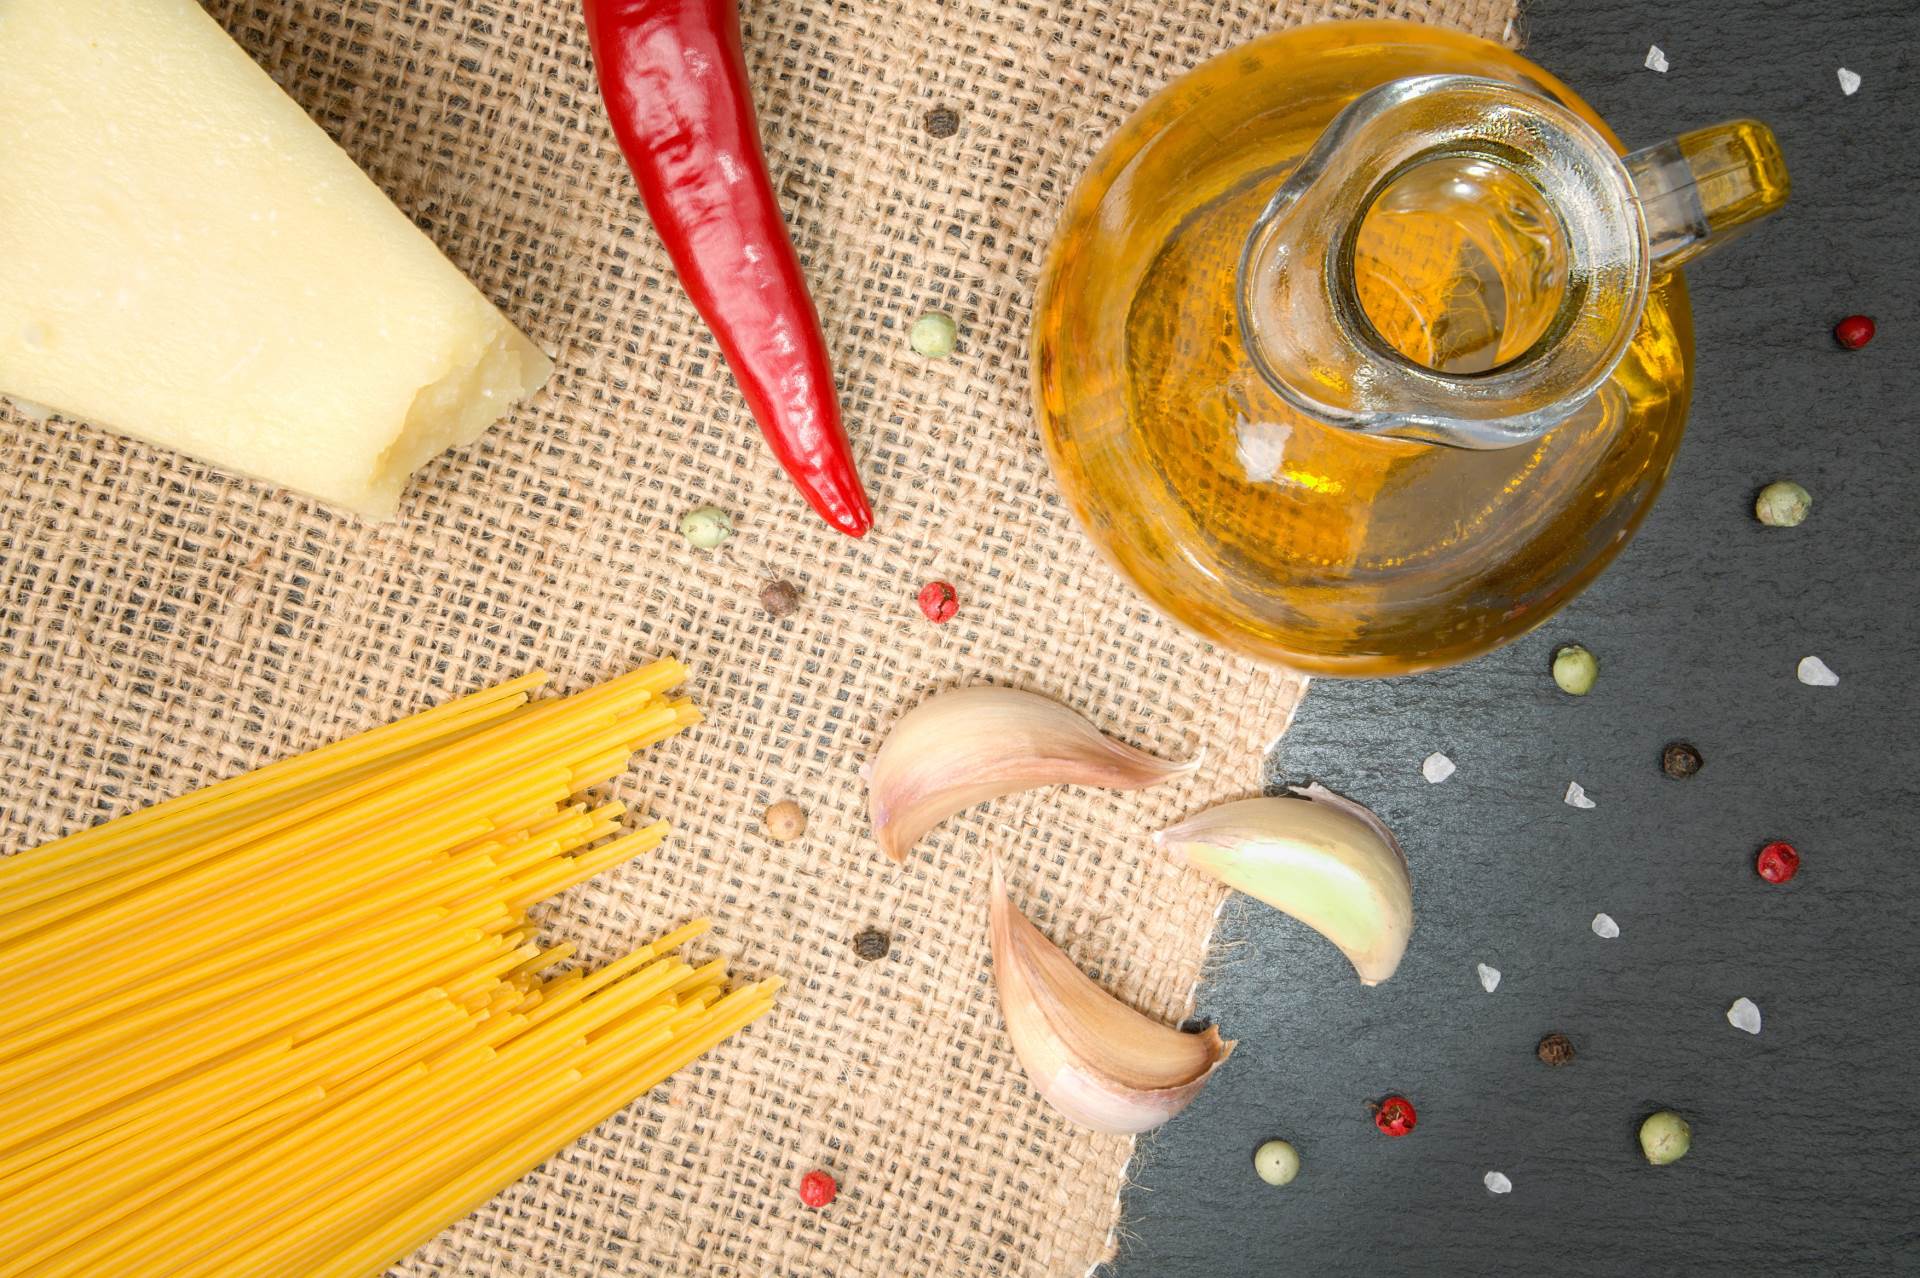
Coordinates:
<point>939,601</point>
<point>1854,331</point>
<point>1395,1116</point>
<point>817,1188</point>
<point>1777,862</point>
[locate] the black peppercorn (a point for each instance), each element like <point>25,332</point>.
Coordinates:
<point>871,944</point>
<point>1195,1025</point>
<point>942,122</point>
<point>1680,761</point>
<point>1555,1049</point>
<point>781,598</point>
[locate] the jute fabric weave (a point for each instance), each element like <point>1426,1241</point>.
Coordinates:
<point>163,625</point>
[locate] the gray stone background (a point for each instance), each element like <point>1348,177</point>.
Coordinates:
<point>1804,1152</point>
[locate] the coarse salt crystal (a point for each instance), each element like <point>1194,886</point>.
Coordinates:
<point>1577,796</point>
<point>1497,1183</point>
<point>1656,60</point>
<point>1436,768</point>
<point>1604,927</point>
<point>1489,978</point>
<point>1816,673</point>
<point>1743,1015</point>
<point>1849,81</point>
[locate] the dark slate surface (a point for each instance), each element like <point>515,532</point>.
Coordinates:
<point>1804,1156</point>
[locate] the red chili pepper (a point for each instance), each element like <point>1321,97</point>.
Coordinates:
<point>675,84</point>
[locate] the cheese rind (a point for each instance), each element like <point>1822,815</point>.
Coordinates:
<point>185,257</point>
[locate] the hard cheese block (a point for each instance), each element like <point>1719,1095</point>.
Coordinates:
<point>186,258</point>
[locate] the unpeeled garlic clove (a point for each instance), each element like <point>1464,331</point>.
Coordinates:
<point>1322,858</point>
<point>1095,1059</point>
<point>959,748</point>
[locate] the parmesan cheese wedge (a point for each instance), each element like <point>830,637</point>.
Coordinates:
<point>186,258</point>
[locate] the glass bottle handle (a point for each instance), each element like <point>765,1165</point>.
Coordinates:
<point>1703,188</point>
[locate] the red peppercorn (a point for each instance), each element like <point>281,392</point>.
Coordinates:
<point>1854,331</point>
<point>939,601</point>
<point>817,1189</point>
<point>1777,862</point>
<point>1395,1116</point>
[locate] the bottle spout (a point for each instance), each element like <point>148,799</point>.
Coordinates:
<point>1704,188</point>
<point>1305,316</point>
<point>1511,220</point>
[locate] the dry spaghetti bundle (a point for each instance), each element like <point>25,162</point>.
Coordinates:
<point>297,1022</point>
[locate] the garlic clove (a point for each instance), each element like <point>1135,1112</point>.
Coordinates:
<point>1320,857</point>
<point>963,747</point>
<point>1096,1060</point>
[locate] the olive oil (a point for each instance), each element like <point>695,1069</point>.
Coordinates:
<point>1263,528</point>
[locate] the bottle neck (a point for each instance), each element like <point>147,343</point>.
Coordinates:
<point>1433,208</point>
<point>1462,261</point>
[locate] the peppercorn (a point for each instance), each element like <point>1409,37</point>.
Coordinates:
<point>942,122</point>
<point>1782,504</point>
<point>1680,760</point>
<point>706,526</point>
<point>1196,1025</point>
<point>785,821</point>
<point>1555,1049</point>
<point>1777,862</point>
<point>780,597</point>
<point>1276,1162</point>
<point>817,1189</point>
<point>1854,331</point>
<point>939,601</point>
<point>871,944</point>
<point>1395,1116</point>
<point>933,335</point>
<point>1665,1138</point>
<point>1575,669</point>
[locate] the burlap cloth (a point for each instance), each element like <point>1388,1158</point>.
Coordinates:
<point>162,625</point>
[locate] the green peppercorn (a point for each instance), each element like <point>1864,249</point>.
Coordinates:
<point>706,526</point>
<point>1276,1162</point>
<point>1575,669</point>
<point>1782,504</point>
<point>1665,1138</point>
<point>933,335</point>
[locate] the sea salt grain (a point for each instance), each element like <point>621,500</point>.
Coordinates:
<point>1436,768</point>
<point>1497,1183</point>
<point>1604,927</point>
<point>1576,796</point>
<point>1816,673</point>
<point>1489,978</point>
<point>1743,1015</point>
<point>1849,82</point>
<point>1656,60</point>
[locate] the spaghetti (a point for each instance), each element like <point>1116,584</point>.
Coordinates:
<point>312,1026</point>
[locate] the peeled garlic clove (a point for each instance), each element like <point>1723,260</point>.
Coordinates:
<point>960,748</point>
<point>1322,858</point>
<point>1095,1059</point>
